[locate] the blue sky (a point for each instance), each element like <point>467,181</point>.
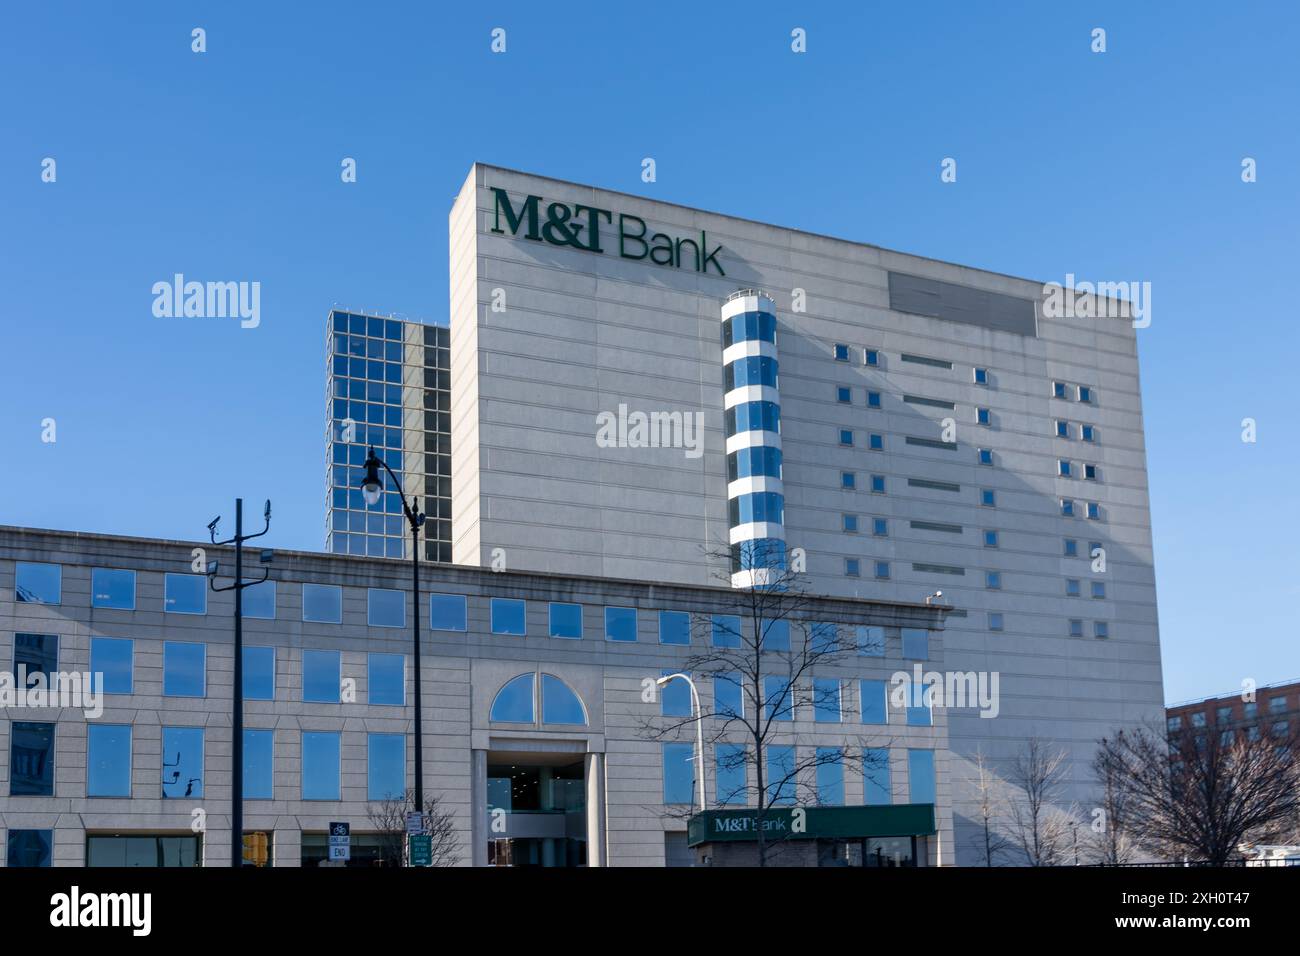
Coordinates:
<point>226,165</point>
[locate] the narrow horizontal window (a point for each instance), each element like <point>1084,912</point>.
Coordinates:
<point>929,402</point>
<point>933,485</point>
<point>938,569</point>
<point>922,360</point>
<point>932,443</point>
<point>936,526</point>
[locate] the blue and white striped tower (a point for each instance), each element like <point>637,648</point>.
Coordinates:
<point>751,401</point>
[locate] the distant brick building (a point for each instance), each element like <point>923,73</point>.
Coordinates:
<point>1275,707</point>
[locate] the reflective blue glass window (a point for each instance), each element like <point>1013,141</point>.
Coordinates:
<point>679,773</point>
<point>674,627</point>
<point>322,603</point>
<point>321,676</point>
<point>726,630</point>
<point>826,700</point>
<point>447,612</point>
<point>751,370</point>
<point>259,600</point>
<point>916,643</point>
<point>873,399</point>
<point>386,678</point>
<point>871,640</point>
<point>825,637</point>
<point>830,777</point>
<point>875,777</point>
<point>392,329</point>
<point>918,707</point>
<point>110,659</point>
<point>259,672</point>
<point>749,327</point>
<point>29,848</point>
<point>874,701</point>
<point>509,616</point>
<point>258,764</point>
<point>920,772</point>
<point>764,506</point>
<point>514,701</point>
<point>185,594</point>
<point>560,705</point>
<point>675,697</point>
<point>108,760</point>
<point>566,620</point>
<point>620,624</point>
<point>386,766</point>
<point>781,782</point>
<point>757,460</point>
<point>35,654</point>
<point>728,698</point>
<point>112,588</point>
<point>753,416</point>
<point>776,635</point>
<point>31,759</point>
<point>320,766</point>
<point>385,608</point>
<point>184,666</point>
<point>182,762</point>
<point>778,694</point>
<point>731,786</point>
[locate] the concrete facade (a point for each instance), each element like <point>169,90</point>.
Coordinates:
<point>627,822</point>
<point>547,334</point>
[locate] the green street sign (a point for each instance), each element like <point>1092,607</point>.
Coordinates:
<point>421,850</point>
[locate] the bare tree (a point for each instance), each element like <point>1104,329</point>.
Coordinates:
<point>769,655</point>
<point>991,805</point>
<point>388,817</point>
<point>1198,794</point>
<point>1041,829</point>
<point>1111,842</point>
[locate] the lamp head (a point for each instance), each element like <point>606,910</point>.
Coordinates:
<point>372,485</point>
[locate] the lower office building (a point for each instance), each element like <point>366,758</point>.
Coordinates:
<point>547,739</point>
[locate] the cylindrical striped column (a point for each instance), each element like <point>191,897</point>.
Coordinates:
<point>751,401</point>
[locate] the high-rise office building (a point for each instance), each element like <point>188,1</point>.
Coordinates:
<point>388,383</point>
<point>930,427</point>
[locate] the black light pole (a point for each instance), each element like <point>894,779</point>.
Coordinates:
<point>237,716</point>
<point>372,485</point>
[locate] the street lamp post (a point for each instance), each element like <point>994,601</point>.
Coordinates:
<point>237,712</point>
<point>699,730</point>
<point>372,486</point>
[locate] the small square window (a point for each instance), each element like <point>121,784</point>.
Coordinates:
<point>872,357</point>
<point>1072,587</point>
<point>844,394</point>
<point>1100,629</point>
<point>986,456</point>
<point>993,580</point>
<point>1067,508</point>
<point>1094,511</point>
<point>988,498</point>
<point>1085,394</point>
<point>995,620</point>
<point>983,417</point>
<point>1099,589</point>
<point>850,523</point>
<point>1071,548</point>
<point>846,437</point>
<point>1076,627</point>
<point>509,616</point>
<point>1063,468</point>
<point>981,376</point>
<point>873,399</point>
<point>1058,389</point>
<point>877,484</point>
<point>876,442</point>
<point>1062,429</point>
<point>880,527</point>
<point>848,480</point>
<point>38,583</point>
<point>990,539</point>
<point>1089,472</point>
<point>1087,433</point>
<point>882,570</point>
<point>852,567</point>
<point>620,624</point>
<point>841,353</point>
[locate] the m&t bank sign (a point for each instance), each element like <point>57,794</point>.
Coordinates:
<point>579,226</point>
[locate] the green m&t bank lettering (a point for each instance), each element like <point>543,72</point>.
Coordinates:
<point>579,226</point>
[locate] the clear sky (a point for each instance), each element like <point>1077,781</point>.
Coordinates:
<point>225,165</point>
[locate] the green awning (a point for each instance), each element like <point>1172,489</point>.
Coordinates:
<point>812,823</point>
